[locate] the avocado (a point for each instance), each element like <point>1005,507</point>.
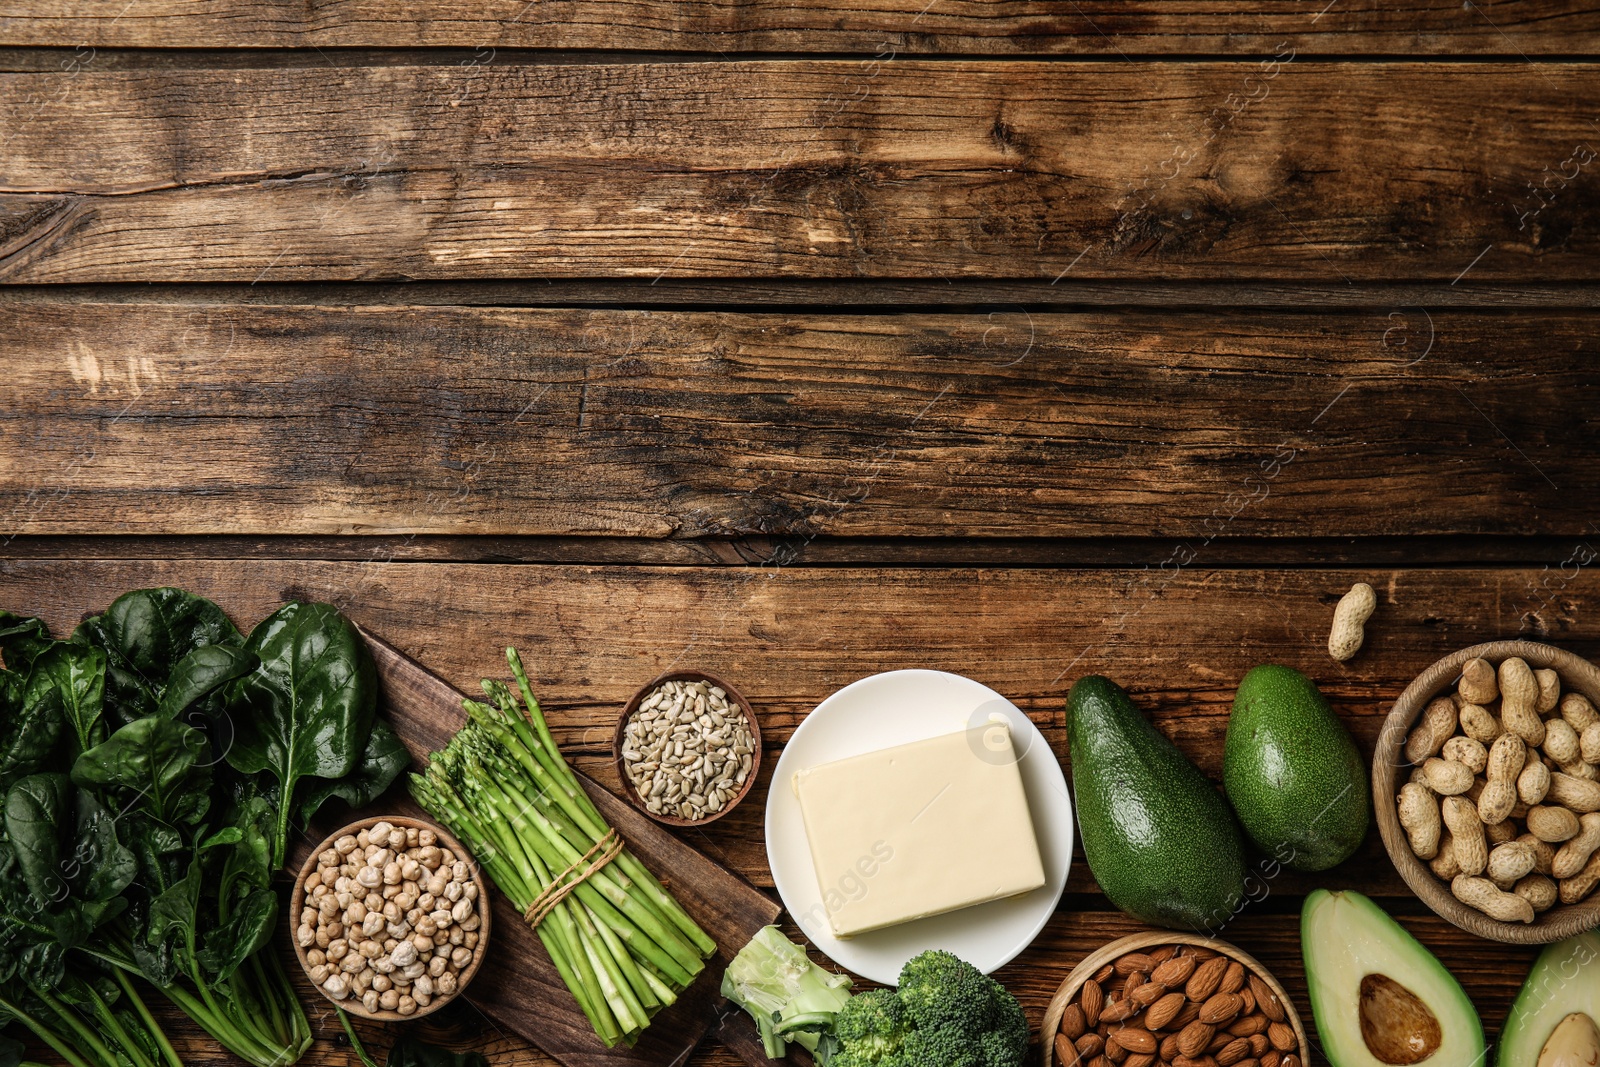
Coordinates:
<point>1293,773</point>
<point>1379,998</point>
<point>1159,838</point>
<point>1555,1021</point>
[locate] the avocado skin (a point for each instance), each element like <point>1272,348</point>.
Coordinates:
<point>1159,838</point>
<point>1293,772</point>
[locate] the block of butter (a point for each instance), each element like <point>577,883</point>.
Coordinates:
<point>919,829</point>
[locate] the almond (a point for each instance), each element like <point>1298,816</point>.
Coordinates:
<point>1233,979</point>
<point>1093,998</point>
<point>1139,1059</point>
<point>1134,981</point>
<point>1249,1026</point>
<point>1174,972</point>
<point>1220,1009</point>
<point>1134,963</point>
<point>1194,1038</point>
<point>1101,1061</point>
<point>1103,973</point>
<point>1072,1023</point>
<point>1066,1051</point>
<point>1266,999</point>
<point>1163,1011</point>
<point>1247,1000</point>
<point>1200,952</point>
<point>1233,1052</point>
<point>1206,978</point>
<point>1251,1062</point>
<point>1090,1045</point>
<point>1169,1047</point>
<point>1118,1010</point>
<point>1195,1061</point>
<point>1148,994</point>
<point>1114,1050</point>
<point>1135,1040</point>
<point>1282,1037</point>
<point>1164,953</point>
<point>1190,1012</point>
<point>1291,1060</point>
<point>1271,1057</point>
<point>1258,1044</point>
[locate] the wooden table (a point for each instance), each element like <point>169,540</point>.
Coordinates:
<point>803,340</point>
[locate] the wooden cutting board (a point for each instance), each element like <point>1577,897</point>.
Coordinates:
<point>518,986</point>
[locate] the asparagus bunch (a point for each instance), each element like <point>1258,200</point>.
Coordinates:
<point>620,941</point>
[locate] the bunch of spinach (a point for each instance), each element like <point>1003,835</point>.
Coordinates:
<point>210,747</point>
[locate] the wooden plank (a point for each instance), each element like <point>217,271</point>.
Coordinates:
<point>419,422</point>
<point>1092,27</point>
<point>1179,640</point>
<point>906,168</point>
<point>790,636</point>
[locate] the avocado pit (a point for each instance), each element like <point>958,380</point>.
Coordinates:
<point>1396,1025</point>
<point>1575,1042</point>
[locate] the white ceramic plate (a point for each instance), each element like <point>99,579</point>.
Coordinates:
<point>894,709</point>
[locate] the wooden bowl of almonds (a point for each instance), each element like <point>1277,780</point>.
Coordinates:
<point>390,918</point>
<point>1165,998</point>
<point>687,748</point>
<point>1486,784</point>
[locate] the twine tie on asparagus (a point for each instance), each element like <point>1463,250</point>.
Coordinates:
<point>608,848</point>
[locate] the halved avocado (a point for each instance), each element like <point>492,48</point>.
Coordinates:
<point>1555,1021</point>
<point>1379,998</point>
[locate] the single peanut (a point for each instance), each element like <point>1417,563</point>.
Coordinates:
<point>1478,684</point>
<point>1499,794</point>
<point>1572,856</point>
<point>1433,729</point>
<point>1461,816</point>
<point>1586,772</point>
<point>1561,741</point>
<point>1509,863</point>
<point>1484,895</point>
<point>1538,890</point>
<point>1447,777</point>
<point>1549,683</point>
<point>1534,781</point>
<point>1444,865</point>
<point>1352,612</point>
<point>1419,814</point>
<point>1578,712</point>
<point>1575,793</point>
<point>1479,724</point>
<point>1589,743</point>
<point>1465,750</point>
<point>1553,824</point>
<point>1519,695</point>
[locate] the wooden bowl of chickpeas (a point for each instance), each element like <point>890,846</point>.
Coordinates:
<point>390,918</point>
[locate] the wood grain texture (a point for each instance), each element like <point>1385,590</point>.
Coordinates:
<point>792,636</point>
<point>416,423</point>
<point>905,168</point>
<point>1092,27</point>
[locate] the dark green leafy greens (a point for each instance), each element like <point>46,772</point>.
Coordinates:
<point>151,769</point>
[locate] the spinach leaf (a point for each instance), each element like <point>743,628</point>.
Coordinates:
<point>381,763</point>
<point>78,673</point>
<point>246,929</point>
<point>145,634</point>
<point>159,761</point>
<point>29,736</point>
<point>201,673</point>
<point>22,641</point>
<point>36,810</point>
<point>308,709</point>
<point>101,866</point>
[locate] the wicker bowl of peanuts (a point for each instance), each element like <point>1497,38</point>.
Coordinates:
<point>1173,1000</point>
<point>1486,784</point>
<point>390,918</point>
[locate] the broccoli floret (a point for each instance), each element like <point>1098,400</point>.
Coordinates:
<point>947,1047</point>
<point>871,1028</point>
<point>941,990</point>
<point>1006,1042</point>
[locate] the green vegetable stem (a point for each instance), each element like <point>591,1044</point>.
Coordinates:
<point>622,944</point>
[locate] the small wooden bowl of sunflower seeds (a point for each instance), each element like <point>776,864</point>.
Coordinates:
<point>687,748</point>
